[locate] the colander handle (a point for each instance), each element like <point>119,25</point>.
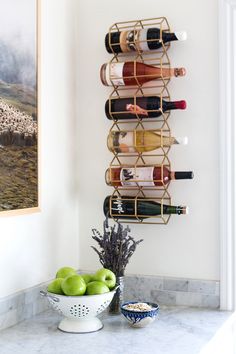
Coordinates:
<point>54,298</point>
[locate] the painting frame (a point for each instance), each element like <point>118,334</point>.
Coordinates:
<point>36,208</point>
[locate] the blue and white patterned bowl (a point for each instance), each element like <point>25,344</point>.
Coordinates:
<point>140,318</point>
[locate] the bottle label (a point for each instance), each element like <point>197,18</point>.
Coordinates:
<point>135,109</point>
<point>131,41</point>
<point>118,206</point>
<point>123,142</point>
<point>139,176</point>
<point>128,40</point>
<point>124,43</point>
<point>142,40</point>
<point>114,74</point>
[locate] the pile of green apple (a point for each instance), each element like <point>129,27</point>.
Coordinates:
<point>69,283</point>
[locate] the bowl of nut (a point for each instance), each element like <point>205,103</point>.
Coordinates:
<point>139,314</point>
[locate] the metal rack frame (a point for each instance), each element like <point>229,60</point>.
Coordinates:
<point>159,125</point>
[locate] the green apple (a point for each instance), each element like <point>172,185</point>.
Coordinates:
<point>87,278</point>
<point>65,271</point>
<point>73,285</point>
<point>55,286</point>
<point>96,287</point>
<point>106,276</point>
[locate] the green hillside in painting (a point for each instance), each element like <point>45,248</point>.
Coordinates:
<point>20,96</point>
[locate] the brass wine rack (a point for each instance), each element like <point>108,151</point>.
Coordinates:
<point>113,179</point>
<point>122,159</point>
<point>135,93</point>
<point>161,128</point>
<point>135,25</point>
<point>162,62</point>
<point>152,195</point>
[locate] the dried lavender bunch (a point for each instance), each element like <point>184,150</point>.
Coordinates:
<point>116,247</point>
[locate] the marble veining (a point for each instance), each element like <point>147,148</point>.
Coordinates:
<point>201,286</point>
<point>173,291</point>
<point>178,330</point>
<point>175,284</point>
<point>22,305</point>
<point>163,290</point>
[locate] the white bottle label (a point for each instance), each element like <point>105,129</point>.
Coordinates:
<point>123,142</point>
<point>114,74</point>
<point>132,40</point>
<point>142,40</point>
<point>139,176</point>
<point>117,206</point>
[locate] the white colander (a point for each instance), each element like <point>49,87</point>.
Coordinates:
<point>79,311</point>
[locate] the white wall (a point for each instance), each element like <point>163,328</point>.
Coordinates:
<point>189,245</point>
<point>33,246</point>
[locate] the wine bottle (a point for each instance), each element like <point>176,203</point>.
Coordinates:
<point>133,208</point>
<point>132,73</point>
<point>141,107</point>
<point>140,141</point>
<point>143,176</point>
<point>142,40</point>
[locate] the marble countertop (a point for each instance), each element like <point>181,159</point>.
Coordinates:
<point>178,330</point>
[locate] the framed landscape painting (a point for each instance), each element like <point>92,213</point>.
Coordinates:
<point>19,113</point>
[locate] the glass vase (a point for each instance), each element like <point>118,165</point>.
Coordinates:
<point>114,307</point>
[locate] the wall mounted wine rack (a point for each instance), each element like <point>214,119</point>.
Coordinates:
<point>135,194</point>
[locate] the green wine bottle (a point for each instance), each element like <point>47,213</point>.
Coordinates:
<point>133,208</point>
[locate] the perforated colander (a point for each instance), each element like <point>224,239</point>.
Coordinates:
<point>79,311</point>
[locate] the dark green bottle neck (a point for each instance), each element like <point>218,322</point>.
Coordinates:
<point>170,209</point>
